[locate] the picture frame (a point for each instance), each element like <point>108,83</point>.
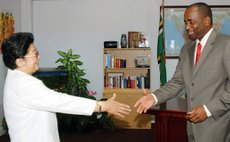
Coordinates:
<point>174,29</point>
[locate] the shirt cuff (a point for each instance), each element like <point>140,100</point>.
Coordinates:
<point>156,100</point>
<point>207,111</point>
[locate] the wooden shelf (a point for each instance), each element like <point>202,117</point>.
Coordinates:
<point>128,95</point>
<point>123,90</point>
<point>120,69</point>
<point>131,68</point>
<point>125,49</point>
<point>134,120</point>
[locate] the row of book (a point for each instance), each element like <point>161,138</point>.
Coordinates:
<point>127,82</point>
<point>111,61</point>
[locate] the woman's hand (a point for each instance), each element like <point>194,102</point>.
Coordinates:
<point>113,107</point>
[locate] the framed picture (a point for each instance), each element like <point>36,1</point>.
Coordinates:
<point>175,34</point>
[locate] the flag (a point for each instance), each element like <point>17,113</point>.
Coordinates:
<point>161,48</point>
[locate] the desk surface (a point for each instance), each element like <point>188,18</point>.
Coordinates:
<point>167,112</point>
<point>49,71</point>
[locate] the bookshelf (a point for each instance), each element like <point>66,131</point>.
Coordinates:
<point>125,75</point>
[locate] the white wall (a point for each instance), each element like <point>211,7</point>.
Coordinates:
<point>2,79</point>
<point>13,6</point>
<point>84,25</point>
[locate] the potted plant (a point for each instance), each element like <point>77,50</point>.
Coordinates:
<point>76,85</point>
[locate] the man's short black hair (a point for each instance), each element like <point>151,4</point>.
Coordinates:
<point>204,9</point>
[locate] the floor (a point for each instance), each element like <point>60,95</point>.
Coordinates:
<point>104,135</point>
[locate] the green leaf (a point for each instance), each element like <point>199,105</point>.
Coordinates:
<point>86,80</point>
<point>79,63</point>
<point>75,56</point>
<point>58,60</point>
<point>69,52</point>
<point>61,53</point>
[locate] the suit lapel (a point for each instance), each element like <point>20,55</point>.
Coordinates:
<point>207,48</point>
<point>191,52</point>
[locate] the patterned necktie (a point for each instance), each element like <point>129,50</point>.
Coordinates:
<point>198,52</point>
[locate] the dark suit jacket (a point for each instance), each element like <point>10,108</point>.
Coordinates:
<point>208,84</point>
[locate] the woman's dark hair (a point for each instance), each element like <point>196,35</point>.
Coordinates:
<point>14,47</point>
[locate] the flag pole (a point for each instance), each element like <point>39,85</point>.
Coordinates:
<point>163,19</point>
<point>163,105</point>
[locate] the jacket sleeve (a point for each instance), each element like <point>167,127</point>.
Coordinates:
<point>221,105</point>
<point>37,96</point>
<point>174,86</point>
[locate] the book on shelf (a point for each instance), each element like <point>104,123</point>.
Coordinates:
<point>107,60</point>
<point>126,82</point>
<point>112,61</point>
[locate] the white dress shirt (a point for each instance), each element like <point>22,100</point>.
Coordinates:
<point>202,42</point>
<point>29,108</point>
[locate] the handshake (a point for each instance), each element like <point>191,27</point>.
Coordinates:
<point>113,107</point>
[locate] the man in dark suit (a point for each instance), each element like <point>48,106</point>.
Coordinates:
<point>203,71</point>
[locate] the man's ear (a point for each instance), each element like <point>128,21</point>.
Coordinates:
<point>207,21</point>
<point>20,62</point>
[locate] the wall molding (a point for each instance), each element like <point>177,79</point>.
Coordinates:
<point>2,132</point>
<point>26,15</point>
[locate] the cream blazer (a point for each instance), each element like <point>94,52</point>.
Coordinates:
<point>29,108</point>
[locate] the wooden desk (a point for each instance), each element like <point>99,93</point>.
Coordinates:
<point>169,126</point>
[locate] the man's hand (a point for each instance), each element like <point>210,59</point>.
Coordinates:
<point>198,114</point>
<point>145,102</point>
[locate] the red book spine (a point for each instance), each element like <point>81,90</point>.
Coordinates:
<point>133,83</point>
<point>118,62</point>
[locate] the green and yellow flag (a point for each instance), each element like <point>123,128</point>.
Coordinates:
<point>161,48</point>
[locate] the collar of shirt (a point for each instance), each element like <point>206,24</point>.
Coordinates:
<point>202,42</point>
